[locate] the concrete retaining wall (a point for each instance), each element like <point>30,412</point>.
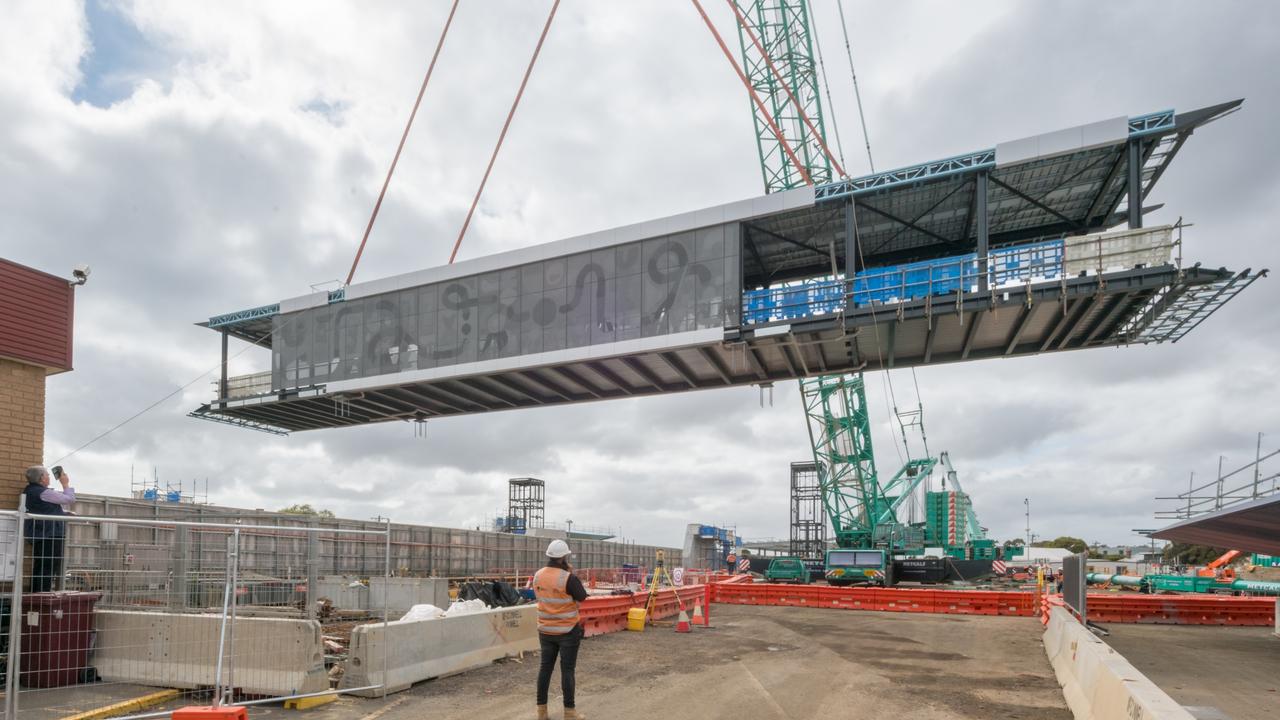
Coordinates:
<point>1099,683</point>
<point>403,593</point>
<point>341,590</point>
<point>272,656</point>
<point>418,650</point>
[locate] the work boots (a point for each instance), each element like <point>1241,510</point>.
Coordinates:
<point>573,714</point>
<point>542,713</point>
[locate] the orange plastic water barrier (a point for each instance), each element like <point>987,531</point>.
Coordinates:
<point>950,602</point>
<point>608,613</point>
<point>1182,609</point>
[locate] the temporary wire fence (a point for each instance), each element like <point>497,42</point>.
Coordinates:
<point>416,550</point>
<point>212,612</point>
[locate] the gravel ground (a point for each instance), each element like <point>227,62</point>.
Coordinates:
<point>766,662</point>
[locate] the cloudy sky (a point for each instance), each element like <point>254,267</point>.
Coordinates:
<point>208,157</point>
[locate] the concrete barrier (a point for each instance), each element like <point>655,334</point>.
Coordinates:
<point>273,656</point>
<point>417,650</point>
<point>403,593</point>
<point>1099,683</point>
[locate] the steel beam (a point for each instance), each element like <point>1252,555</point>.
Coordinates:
<point>600,369</point>
<point>532,376</point>
<point>649,376</point>
<point>470,386</point>
<point>580,381</point>
<point>1135,183</point>
<point>1108,318</point>
<point>1075,224</point>
<point>893,341</point>
<point>1023,320</point>
<point>440,388</point>
<point>975,322</point>
<point>493,380</point>
<point>902,221</point>
<point>714,362</point>
<point>980,211</point>
<point>1086,305</point>
<point>421,393</point>
<point>678,367</point>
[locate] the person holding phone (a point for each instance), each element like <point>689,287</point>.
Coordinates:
<point>47,536</point>
<point>558,592</point>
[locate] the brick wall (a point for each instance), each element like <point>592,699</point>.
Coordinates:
<point>21,426</point>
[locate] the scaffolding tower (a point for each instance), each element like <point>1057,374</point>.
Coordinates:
<point>808,516</point>
<point>526,505</point>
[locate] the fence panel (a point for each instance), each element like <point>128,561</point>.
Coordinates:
<point>108,609</point>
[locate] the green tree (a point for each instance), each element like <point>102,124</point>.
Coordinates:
<point>306,509</point>
<point>1074,544</point>
<point>1187,554</point>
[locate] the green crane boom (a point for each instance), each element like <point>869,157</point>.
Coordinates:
<point>776,43</point>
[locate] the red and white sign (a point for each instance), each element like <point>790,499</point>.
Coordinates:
<point>677,576</point>
<point>744,565</point>
<point>998,567</point>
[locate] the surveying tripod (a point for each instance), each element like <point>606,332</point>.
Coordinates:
<point>659,571</point>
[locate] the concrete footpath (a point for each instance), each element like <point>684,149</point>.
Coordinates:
<point>768,663</point>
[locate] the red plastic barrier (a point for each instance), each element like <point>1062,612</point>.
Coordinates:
<point>1181,609</point>
<point>608,613</point>
<point>958,602</point>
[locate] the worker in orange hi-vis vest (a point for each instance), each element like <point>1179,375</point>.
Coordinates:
<point>558,591</point>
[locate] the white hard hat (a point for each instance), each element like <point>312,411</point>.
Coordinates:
<point>558,549</point>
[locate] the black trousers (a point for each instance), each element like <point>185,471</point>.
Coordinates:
<point>566,647</point>
<point>46,564</point>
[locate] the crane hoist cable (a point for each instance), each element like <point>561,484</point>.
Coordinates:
<point>804,117</point>
<point>502,136</point>
<point>844,27</point>
<point>782,140</point>
<point>404,136</point>
<point>888,375</point>
<point>831,106</point>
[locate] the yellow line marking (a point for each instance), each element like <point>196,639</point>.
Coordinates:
<point>138,703</point>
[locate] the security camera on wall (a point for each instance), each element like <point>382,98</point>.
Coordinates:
<point>81,274</point>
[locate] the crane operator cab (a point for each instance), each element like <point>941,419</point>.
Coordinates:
<point>849,566</point>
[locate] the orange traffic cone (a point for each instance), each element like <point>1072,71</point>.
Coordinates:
<point>698,617</point>
<point>682,625</point>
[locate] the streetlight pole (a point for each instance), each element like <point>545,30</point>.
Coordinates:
<point>568,533</point>
<point>1026,553</point>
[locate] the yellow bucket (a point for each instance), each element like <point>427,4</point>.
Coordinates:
<point>635,619</point>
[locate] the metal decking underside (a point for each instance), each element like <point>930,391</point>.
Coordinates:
<point>1249,526</point>
<point>1077,313</point>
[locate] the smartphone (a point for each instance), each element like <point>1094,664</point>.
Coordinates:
<point>57,471</point>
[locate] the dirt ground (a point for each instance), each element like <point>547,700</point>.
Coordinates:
<point>1235,669</point>
<point>766,663</point>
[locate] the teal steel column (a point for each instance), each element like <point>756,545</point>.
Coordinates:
<point>980,210</point>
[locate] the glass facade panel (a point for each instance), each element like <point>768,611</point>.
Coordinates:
<point>663,285</point>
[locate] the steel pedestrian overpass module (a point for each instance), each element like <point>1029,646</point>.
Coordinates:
<point>1029,247</point>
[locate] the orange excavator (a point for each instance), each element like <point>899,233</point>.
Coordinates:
<point>1218,568</point>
